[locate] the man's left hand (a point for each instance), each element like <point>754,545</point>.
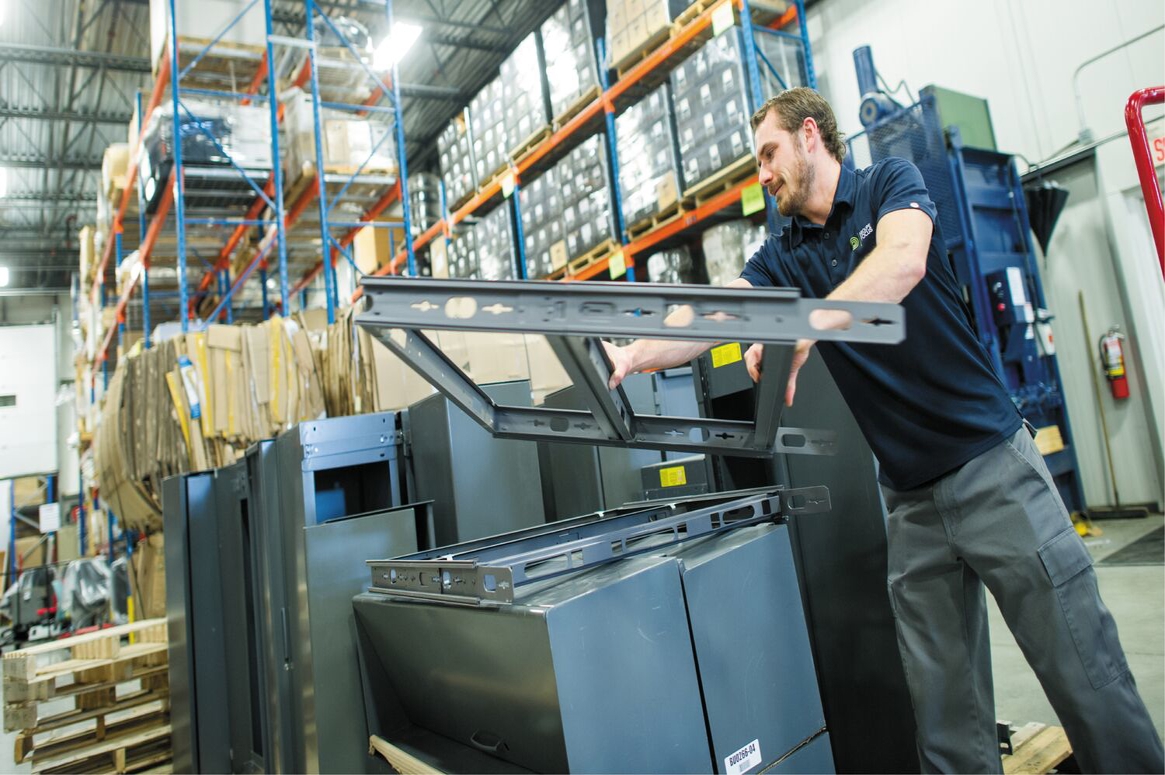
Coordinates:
<point>800,355</point>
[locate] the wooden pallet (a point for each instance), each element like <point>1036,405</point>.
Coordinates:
<point>224,63</point>
<point>492,178</point>
<point>764,12</point>
<point>740,170</point>
<point>138,749</point>
<point>78,729</point>
<point>95,662</point>
<point>524,148</point>
<point>1036,748</point>
<point>587,97</point>
<point>601,252</point>
<point>664,217</point>
<point>642,51</point>
<point>400,760</point>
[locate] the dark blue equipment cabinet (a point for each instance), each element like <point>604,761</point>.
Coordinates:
<point>984,223</point>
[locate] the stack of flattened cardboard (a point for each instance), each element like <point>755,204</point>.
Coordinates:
<point>196,402</point>
<point>360,374</point>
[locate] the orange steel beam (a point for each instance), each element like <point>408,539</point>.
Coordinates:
<point>253,86</point>
<point>131,176</point>
<point>144,251</point>
<point>224,255</point>
<point>711,207</point>
<point>786,18</point>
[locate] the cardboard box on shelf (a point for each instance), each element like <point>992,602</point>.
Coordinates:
<point>374,247</point>
<point>30,552</point>
<point>115,170</point>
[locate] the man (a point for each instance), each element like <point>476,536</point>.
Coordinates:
<point>970,500</point>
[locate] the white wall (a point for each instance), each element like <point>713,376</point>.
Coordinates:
<point>28,430</point>
<point>1081,258</point>
<point>1020,55</point>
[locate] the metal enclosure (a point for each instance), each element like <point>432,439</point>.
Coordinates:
<point>245,675</point>
<point>479,485</point>
<point>751,644</point>
<point>303,485</point>
<point>579,479</point>
<point>841,566</point>
<point>645,663</point>
<point>198,697</point>
<point>593,673</point>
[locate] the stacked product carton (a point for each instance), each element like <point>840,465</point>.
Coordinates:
<point>488,131</point>
<point>648,157</point>
<point>525,105</point>
<point>541,205</point>
<point>455,156</point>
<point>571,71</point>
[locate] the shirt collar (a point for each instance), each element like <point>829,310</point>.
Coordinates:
<point>846,191</point>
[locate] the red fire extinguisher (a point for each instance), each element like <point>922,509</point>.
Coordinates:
<point>1112,360</point>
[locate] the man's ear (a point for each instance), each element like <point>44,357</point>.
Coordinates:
<point>810,134</point>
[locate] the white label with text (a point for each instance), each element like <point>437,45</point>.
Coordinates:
<point>743,760</point>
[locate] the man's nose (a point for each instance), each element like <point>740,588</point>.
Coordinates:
<point>764,176</point>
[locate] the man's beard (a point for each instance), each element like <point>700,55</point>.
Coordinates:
<point>796,196</point>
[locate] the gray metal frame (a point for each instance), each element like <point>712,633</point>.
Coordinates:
<point>573,315</point>
<point>487,576</point>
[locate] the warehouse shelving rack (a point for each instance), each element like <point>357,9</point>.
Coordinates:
<point>269,209</point>
<point>599,115</point>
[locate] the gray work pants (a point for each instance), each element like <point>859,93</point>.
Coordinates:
<point>999,521</point>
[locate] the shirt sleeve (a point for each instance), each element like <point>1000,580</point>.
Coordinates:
<point>899,186</point>
<point>764,269</point>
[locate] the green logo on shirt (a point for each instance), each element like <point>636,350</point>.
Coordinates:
<point>854,242</point>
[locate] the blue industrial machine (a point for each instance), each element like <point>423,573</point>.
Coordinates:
<point>983,220</point>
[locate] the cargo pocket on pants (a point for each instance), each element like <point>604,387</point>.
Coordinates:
<point>1069,568</point>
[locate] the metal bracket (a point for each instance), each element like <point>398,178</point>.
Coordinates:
<point>486,575</point>
<point>573,315</point>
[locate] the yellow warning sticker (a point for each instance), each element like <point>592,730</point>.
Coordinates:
<point>508,183</point>
<point>725,354</point>
<point>672,477</point>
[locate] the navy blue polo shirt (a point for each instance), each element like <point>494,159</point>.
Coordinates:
<point>932,402</point>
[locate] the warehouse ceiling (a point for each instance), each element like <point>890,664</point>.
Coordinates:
<point>70,71</point>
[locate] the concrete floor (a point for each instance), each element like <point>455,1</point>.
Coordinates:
<point>1136,597</point>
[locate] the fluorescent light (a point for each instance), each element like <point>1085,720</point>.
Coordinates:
<point>3,170</point>
<point>394,47</point>
<point>3,11</point>
<point>3,276</point>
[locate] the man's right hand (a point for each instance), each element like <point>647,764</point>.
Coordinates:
<point>752,359</point>
<point>621,363</point>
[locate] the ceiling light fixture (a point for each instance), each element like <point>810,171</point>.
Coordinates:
<point>395,45</point>
<point>3,276</point>
<point>3,170</point>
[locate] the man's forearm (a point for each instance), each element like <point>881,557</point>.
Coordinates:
<point>655,354</point>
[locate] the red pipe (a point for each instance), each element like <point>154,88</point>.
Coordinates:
<point>1142,153</point>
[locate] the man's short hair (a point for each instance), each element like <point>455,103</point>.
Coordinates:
<point>793,106</point>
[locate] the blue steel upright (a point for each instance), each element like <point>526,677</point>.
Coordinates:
<point>179,184</point>
<point>612,151</point>
<point>277,167</point>
<point>983,220</point>
<point>321,183</point>
<point>398,118</point>
<point>145,264</point>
